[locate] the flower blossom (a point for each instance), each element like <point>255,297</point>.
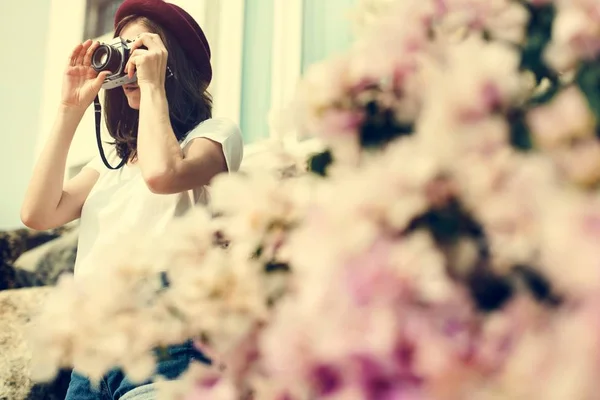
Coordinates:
<point>575,34</point>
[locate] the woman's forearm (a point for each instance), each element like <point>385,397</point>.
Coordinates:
<point>159,152</point>
<point>45,188</point>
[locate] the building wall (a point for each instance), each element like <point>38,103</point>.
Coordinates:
<point>23,30</point>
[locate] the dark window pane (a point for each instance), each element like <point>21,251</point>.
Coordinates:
<point>99,17</point>
<point>106,15</point>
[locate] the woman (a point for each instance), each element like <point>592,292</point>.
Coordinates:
<point>161,126</point>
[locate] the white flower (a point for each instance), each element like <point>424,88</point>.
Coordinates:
<point>468,91</point>
<point>392,48</point>
<point>566,117</point>
<point>503,20</point>
<point>480,77</point>
<point>575,33</point>
<point>367,13</point>
<point>569,252</point>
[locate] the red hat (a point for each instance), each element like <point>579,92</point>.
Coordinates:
<point>179,23</point>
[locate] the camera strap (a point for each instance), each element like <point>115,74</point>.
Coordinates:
<point>98,116</point>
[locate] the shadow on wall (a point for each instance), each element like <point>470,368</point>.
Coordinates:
<point>23,34</point>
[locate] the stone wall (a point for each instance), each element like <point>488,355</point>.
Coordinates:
<point>17,307</point>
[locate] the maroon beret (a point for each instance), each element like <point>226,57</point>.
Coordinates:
<point>179,23</point>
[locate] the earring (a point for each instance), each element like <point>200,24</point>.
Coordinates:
<point>169,72</point>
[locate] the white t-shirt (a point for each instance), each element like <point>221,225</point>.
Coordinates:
<point>121,204</point>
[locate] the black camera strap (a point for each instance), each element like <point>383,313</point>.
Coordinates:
<point>98,116</point>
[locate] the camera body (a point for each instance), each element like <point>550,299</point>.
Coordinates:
<point>113,57</point>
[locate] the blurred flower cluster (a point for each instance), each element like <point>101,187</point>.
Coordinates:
<point>444,246</point>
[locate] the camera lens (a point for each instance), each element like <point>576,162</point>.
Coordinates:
<point>106,58</point>
<point>102,58</point>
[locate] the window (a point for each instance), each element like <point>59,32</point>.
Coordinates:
<point>326,29</point>
<point>256,69</point>
<point>99,17</point>
<point>280,39</point>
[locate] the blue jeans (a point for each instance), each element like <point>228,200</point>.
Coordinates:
<point>115,384</point>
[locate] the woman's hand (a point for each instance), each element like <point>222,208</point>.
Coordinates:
<point>81,83</point>
<point>149,63</point>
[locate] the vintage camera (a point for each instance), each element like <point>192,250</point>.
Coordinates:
<point>113,57</point>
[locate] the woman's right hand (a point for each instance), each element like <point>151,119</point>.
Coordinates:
<point>81,83</point>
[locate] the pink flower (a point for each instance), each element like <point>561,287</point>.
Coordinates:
<point>575,34</point>
<point>506,193</point>
<point>570,255</point>
<point>368,276</point>
<point>480,79</point>
<point>340,122</point>
<point>565,129</point>
<point>392,47</point>
<point>212,387</point>
<point>554,357</point>
<point>501,19</point>
<point>566,117</point>
<point>580,162</point>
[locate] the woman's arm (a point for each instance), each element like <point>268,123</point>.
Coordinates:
<point>164,166</point>
<point>47,203</point>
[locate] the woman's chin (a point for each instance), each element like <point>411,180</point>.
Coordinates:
<point>133,103</point>
<point>133,96</point>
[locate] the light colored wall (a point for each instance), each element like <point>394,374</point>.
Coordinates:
<point>23,30</point>
<point>65,31</point>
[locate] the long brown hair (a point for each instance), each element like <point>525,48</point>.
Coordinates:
<point>187,96</point>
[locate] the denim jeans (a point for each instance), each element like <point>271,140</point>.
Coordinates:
<point>115,384</point>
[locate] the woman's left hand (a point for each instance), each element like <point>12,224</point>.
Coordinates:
<point>150,63</point>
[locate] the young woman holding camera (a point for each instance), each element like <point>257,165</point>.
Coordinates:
<point>162,129</point>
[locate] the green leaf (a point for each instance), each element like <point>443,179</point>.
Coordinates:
<point>381,127</point>
<point>318,163</point>
<point>275,267</point>
<point>520,136</point>
<point>539,34</point>
<point>546,96</point>
<point>588,80</point>
<point>258,252</point>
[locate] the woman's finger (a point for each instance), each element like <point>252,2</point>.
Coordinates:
<point>87,59</point>
<point>81,55</point>
<point>74,55</point>
<point>150,40</point>
<point>131,65</point>
<point>127,66</point>
<point>135,54</point>
<point>100,79</point>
